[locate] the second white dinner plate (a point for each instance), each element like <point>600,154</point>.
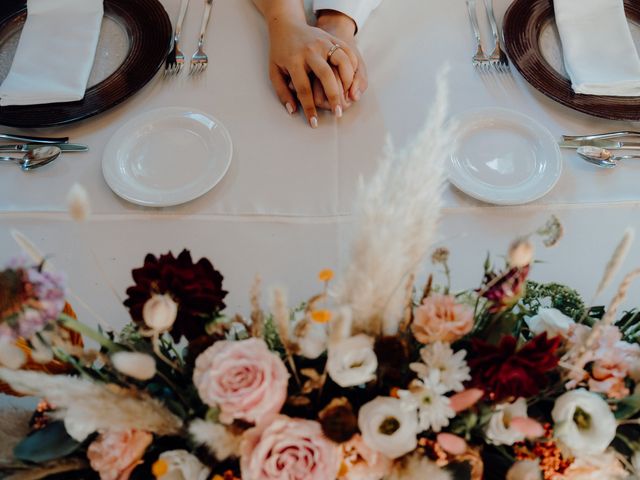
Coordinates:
<point>503,157</point>
<point>167,156</point>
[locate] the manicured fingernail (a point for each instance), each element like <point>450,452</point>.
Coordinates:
<point>338,111</point>
<point>314,122</point>
<point>356,95</point>
<point>289,108</point>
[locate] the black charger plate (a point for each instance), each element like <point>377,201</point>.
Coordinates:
<point>149,30</point>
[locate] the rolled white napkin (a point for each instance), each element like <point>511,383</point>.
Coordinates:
<point>55,53</point>
<point>599,53</point>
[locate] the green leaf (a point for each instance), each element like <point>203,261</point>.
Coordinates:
<point>627,407</point>
<point>50,443</point>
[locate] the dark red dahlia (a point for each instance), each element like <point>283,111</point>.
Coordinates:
<point>504,289</point>
<point>503,371</point>
<point>195,287</point>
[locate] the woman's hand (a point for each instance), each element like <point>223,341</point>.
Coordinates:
<point>299,51</point>
<point>344,28</point>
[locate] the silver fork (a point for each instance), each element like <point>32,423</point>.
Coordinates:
<point>480,59</point>
<point>199,60</point>
<point>498,58</point>
<point>175,59</point>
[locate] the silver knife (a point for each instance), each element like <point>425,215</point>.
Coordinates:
<point>28,139</point>
<point>27,147</point>
<point>608,144</point>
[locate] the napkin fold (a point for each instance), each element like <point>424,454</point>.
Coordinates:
<point>599,53</point>
<point>55,53</point>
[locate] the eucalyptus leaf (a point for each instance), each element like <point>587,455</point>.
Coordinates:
<point>627,407</point>
<point>50,443</point>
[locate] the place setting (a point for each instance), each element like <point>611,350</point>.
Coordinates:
<point>582,55</point>
<point>117,47</point>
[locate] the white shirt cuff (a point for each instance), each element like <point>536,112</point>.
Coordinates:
<point>358,10</point>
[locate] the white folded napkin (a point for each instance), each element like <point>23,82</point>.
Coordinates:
<point>599,53</point>
<point>55,52</point>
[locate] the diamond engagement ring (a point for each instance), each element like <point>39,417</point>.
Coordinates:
<point>332,51</point>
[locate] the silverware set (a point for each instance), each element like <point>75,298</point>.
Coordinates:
<point>596,148</point>
<point>199,60</point>
<point>497,61</point>
<point>38,151</point>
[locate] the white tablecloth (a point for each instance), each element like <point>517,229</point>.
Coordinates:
<point>283,209</point>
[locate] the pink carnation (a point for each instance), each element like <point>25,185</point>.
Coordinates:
<point>244,379</point>
<point>288,448</point>
<point>440,318</point>
<point>114,455</point>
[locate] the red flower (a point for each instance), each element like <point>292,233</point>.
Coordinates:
<point>503,371</point>
<point>504,289</point>
<point>195,287</point>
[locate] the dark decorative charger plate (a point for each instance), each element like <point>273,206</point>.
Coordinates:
<point>524,22</point>
<point>149,30</point>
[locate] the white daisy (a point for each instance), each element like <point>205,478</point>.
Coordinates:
<point>452,367</point>
<point>428,397</point>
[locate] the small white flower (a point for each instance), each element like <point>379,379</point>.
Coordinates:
<point>352,361</point>
<point>583,422</point>
<point>427,396</point>
<point>11,356</point>
<point>499,430</point>
<point>78,203</point>
<point>134,364</point>
<point>603,466</point>
<point>452,366</point>
<point>160,312</point>
<point>311,337</point>
<point>550,320</point>
<point>77,425</point>
<point>525,470</point>
<point>388,426</point>
<point>181,465</point>
<point>520,253</point>
<point>217,438</point>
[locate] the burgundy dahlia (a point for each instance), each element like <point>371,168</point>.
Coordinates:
<point>504,371</point>
<point>195,287</point>
<point>504,289</point>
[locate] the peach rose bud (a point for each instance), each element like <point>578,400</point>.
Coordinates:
<point>465,399</point>
<point>527,426</point>
<point>451,443</point>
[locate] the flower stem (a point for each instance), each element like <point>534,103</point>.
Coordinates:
<point>86,331</point>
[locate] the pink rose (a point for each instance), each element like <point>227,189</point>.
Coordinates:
<point>114,455</point>
<point>288,448</point>
<point>363,463</point>
<point>243,379</point>
<point>440,318</point>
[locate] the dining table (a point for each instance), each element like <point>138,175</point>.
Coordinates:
<point>284,209</point>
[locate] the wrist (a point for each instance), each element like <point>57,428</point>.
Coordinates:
<point>336,23</point>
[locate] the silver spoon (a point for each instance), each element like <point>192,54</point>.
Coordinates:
<point>601,156</point>
<point>36,158</point>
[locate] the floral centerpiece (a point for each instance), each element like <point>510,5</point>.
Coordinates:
<point>373,378</point>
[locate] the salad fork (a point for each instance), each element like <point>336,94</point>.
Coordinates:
<point>199,60</point>
<point>175,59</point>
<point>498,57</point>
<point>480,59</point>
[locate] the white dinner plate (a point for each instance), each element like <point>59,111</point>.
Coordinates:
<point>503,157</point>
<point>167,157</point>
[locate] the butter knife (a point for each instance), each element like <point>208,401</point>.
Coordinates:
<point>25,138</point>
<point>608,144</point>
<point>27,147</point>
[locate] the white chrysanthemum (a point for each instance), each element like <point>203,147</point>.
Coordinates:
<point>452,367</point>
<point>418,468</point>
<point>428,397</point>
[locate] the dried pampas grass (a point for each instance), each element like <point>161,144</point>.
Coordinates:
<point>395,224</point>
<point>218,439</point>
<point>87,407</point>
